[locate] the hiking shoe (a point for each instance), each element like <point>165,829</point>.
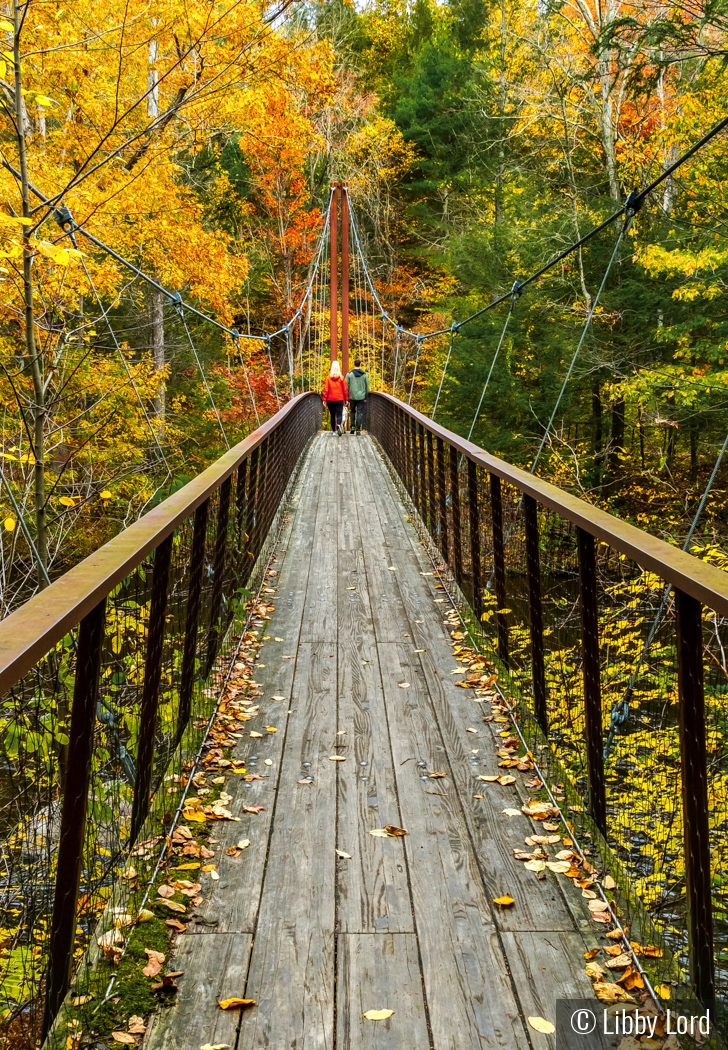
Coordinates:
<point>338,431</point>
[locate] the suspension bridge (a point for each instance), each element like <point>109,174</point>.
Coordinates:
<point>363,741</point>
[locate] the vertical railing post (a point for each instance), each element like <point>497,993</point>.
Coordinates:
<point>415,463</point>
<point>73,811</point>
<point>474,515</point>
<point>218,574</point>
<point>588,594</point>
<point>150,689</point>
<point>410,456</point>
<point>442,499</point>
<point>535,611</point>
<point>694,776</point>
<point>499,565</point>
<point>431,511</point>
<point>250,508</point>
<point>457,542</point>
<point>421,444</point>
<point>192,619</point>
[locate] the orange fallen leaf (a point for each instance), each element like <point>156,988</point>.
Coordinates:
<point>232,1004</point>
<point>155,962</point>
<point>504,902</point>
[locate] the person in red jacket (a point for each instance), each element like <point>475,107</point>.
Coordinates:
<point>335,396</point>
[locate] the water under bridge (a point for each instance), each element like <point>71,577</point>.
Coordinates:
<point>325,731</point>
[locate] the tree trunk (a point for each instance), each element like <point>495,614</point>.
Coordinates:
<point>38,408</point>
<point>616,444</point>
<point>159,405</point>
<point>694,461</point>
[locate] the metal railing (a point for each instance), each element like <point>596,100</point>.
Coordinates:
<point>107,680</point>
<point>565,594</point>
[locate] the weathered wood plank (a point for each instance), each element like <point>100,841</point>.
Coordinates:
<point>291,972</point>
<point>231,903</point>
<point>372,889</point>
<point>470,999</point>
<point>547,967</point>
<point>377,973</point>
<point>215,966</point>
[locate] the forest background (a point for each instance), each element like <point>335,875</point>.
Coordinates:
<point>477,137</point>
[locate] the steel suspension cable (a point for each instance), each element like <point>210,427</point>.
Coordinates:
<point>444,372</point>
<point>414,373</point>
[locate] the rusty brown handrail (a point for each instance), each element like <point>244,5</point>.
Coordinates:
<point>33,629</point>
<point>704,582</point>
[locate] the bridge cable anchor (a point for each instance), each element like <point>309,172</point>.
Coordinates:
<point>633,203</point>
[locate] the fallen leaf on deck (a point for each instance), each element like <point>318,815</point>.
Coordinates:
<point>172,905</point>
<point>136,1025</point>
<point>215,1046</point>
<point>506,780</point>
<point>214,876</point>
<point>534,865</point>
<point>504,902</point>
<point>651,951</point>
<point>340,853</point>
<point>592,952</point>
<point>306,780</point>
<point>155,962</point>
<point>598,905</point>
<point>540,1024</point>
<point>175,924</point>
<point>124,1037</point>
<point>254,734</point>
<point>394,831</point>
<point>419,650</point>
<point>269,761</point>
<point>270,729</point>
<point>594,971</point>
<point>512,812</point>
<point>194,814</point>
<point>232,1004</point>
<point>166,891</point>
<point>663,990</point>
<point>404,685</point>
<point>436,776</point>
<point>251,809</point>
<point>478,796</point>
<point>279,698</point>
<point>378,1015</point>
<point>488,780</point>
<point>337,758</point>
<point>612,993</point>
<point>342,732</point>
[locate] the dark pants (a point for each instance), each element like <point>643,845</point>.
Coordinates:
<point>356,408</point>
<point>336,409</point>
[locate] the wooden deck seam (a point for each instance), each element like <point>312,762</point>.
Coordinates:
<point>289,530</point>
<point>399,808</point>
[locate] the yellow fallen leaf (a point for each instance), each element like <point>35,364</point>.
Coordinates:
<point>215,1046</point>
<point>277,639</point>
<point>172,905</point>
<point>540,1024</point>
<point>512,812</point>
<point>209,867</point>
<point>611,993</point>
<point>469,730</point>
<point>608,882</point>
<point>337,758</point>
<point>378,1015</point>
<point>270,729</point>
<point>504,902</point>
<point>194,814</point>
<point>663,990</point>
<point>534,865</point>
<point>231,1004</point>
<point>254,734</point>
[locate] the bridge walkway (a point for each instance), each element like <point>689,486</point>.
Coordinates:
<point>358,647</point>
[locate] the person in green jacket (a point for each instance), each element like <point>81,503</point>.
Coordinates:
<point>357,383</point>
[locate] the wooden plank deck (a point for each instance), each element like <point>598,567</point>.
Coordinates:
<point>407,924</point>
